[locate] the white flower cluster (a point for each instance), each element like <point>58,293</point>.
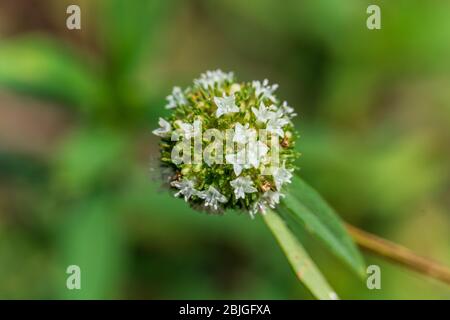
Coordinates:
<point>211,78</point>
<point>248,163</point>
<point>211,196</point>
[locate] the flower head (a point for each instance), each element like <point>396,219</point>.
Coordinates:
<point>245,134</point>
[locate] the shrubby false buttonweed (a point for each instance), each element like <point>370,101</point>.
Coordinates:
<point>251,171</point>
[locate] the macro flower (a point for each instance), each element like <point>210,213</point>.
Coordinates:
<point>289,111</point>
<point>212,197</point>
<point>264,90</point>
<point>277,120</point>
<point>256,153</point>
<point>186,188</point>
<point>222,145</point>
<point>164,130</point>
<point>241,133</point>
<point>272,198</point>
<point>211,78</point>
<point>241,186</point>
<point>225,105</point>
<point>175,99</point>
<point>269,199</point>
<point>237,160</point>
<point>187,130</point>
<point>281,176</point>
<point>275,126</point>
<point>259,206</point>
<point>262,113</point>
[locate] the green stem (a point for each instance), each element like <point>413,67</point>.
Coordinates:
<point>304,268</point>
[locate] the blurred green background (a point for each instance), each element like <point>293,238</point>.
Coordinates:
<point>77,109</point>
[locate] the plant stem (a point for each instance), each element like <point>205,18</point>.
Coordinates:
<point>399,254</point>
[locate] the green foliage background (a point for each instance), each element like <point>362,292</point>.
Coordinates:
<point>77,109</point>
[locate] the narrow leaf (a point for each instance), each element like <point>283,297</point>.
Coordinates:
<point>42,67</point>
<point>139,28</point>
<point>92,240</point>
<point>303,266</point>
<point>309,209</point>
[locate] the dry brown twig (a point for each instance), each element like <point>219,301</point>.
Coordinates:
<point>399,254</point>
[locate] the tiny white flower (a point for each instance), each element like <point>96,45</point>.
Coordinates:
<point>187,129</point>
<point>211,78</point>
<point>289,111</point>
<point>238,161</point>
<point>225,105</point>
<point>268,199</point>
<point>256,153</point>
<point>164,130</point>
<point>275,128</point>
<point>176,98</point>
<point>276,123</point>
<point>186,188</point>
<point>241,186</point>
<point>212,197</point>
<point>258,207</point>
<point>241,133</point>
<point>264,89</point>
<point>262,114</point>
<point>272,198</point>
<point>281,176</point>
<point>277,114</point>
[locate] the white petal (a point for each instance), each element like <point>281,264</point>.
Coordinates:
<point>241,186</point>
<point>164,130</point>
<point>225,105</point>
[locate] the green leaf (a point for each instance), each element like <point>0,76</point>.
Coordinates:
<point>307,207</point>
<point>91,159</point>
<point>304,268</point>
<point>128,29</point>
<point>91,238</point>
<point>44,68</point>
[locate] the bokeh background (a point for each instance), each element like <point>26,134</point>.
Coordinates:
<point>77,109</point>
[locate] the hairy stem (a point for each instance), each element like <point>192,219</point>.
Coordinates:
<point>399,254</point>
